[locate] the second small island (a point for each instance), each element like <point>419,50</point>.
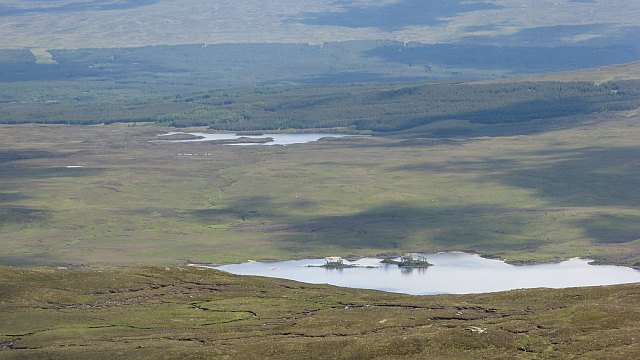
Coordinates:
<point>408,261</point>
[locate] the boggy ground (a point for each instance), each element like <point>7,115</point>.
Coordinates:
<point>186,313</point>
<point>544,195</point>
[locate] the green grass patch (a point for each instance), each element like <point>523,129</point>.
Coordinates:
<point>195,313</point>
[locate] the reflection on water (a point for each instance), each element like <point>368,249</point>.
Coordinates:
<point>456,273</point>
<point>411,270</point>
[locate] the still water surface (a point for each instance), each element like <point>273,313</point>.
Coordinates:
<point>278,139</point>
<point>452,273</point>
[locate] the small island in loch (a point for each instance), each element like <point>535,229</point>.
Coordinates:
<point>408,261</point>
<point>336,262</point>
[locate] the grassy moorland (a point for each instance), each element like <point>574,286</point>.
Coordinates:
<point>150,313</point>
<point>598,75</point>
<point>539,189</point>
<point>550,194</point>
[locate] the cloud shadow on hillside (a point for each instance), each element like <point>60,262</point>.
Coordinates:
<point>395,16</point>
<point>390,226</point>
<point>16,168</point>
<point>94,5</point>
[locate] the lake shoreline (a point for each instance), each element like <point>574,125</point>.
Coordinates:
<point>247,138</point>
<point>447,273</point>
<point>594,260</point>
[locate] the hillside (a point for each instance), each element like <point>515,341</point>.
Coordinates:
<point>507,130</point>
<point>192,313</point>
<point>74,24</point>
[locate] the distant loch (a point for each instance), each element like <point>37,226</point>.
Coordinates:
<point>264,139</point>
<point>451,273</point>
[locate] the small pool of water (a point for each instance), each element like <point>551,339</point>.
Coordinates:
<point>278,139</point>
<point>451,273</point>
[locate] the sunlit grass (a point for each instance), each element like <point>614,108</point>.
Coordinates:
<point>539,197</point>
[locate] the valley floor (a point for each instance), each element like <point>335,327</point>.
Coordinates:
<point>109,196</point>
